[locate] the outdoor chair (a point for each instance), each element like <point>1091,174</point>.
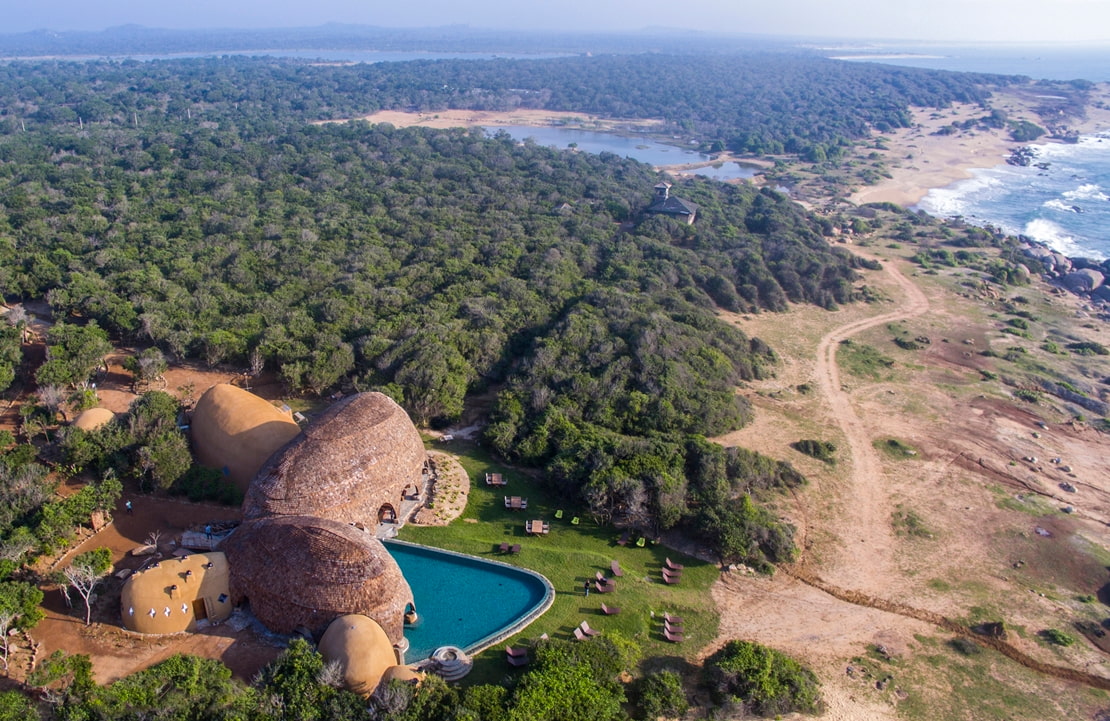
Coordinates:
<point>673,637</point>
<point>671,578</point>
<point>624,539</point>
<point>615,567</point>
<point>523,503</point>
<point>515,548</point>
<point>579,635</point>
<point>587,630</point>
<point>559,515</point>
<point>508,503</point>
<point>575,521</point>
<point>605,587</point>
<point>673,620</point>
<point>600,576</point>
<point>672,627</point>
<point>504,547</point>
<point>610,610</point>
<point>640,542</point>
<point>672,565</point>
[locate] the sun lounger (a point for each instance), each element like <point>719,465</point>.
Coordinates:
<point>671,578</point>
<point>605,587</point>
<point>673,637</point>
<point>672,627</point>
<point>672,565</point>
<point>600,576</point>
<point>615,567</point>
<point>624,539</point>
<point>515,548</point>
<point>579,635</point>
<point>674,620</point>
<point>504,547</point>
<point>587,630</point>
<point>610,610</point>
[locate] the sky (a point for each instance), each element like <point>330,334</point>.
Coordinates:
<point>1023,21</point>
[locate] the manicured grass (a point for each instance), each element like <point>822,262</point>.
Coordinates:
<point>568,556</point>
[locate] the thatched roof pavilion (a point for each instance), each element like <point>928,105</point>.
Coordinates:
<point>236,431</point>
<point>306,571</point>
<point>364,654</point>
<point>93,418</point>
<point>172,595</point>
<point>352,464</point>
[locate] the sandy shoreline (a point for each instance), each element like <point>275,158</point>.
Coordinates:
<point>919,160</point>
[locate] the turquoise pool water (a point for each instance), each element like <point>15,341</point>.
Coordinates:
<point>464,601</point>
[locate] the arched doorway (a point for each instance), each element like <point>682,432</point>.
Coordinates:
<point>387,513</point>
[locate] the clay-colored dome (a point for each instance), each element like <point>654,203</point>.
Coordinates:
<point>172,595</point>
<point>362,650</point>
<point>93,418</point>
<point>352,462</point>
<point>305,571</point>
<point>236,431</point>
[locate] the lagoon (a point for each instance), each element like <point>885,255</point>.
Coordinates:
<point>637,148</point>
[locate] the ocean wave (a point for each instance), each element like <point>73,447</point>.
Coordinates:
<point>1057,204</point>
<point>1087,191</point>
<point>956,199</point>
<point>1055,237</point>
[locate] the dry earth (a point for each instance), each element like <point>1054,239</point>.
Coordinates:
<point>975,555</point>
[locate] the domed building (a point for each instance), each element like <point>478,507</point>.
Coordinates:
<point>236,431</point>
<point>352,464</point>
<point>93,418</point>
<point>173,595</point>
<point>302,571</point>
<point>365,657</point>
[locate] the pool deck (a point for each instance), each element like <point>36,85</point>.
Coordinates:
<point>526,620</point>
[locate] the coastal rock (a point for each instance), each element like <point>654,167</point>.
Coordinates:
<point>1084,281</point>
<point>1061,263</point>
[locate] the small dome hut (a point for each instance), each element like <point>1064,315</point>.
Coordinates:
<point>362,650</point>
<point>172,595</point>
<point>306,571</point>
<point>236,431</point>
<point>352,464</point>
<point>93,418</point>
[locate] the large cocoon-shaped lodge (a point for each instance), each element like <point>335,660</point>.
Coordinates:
<point>354,464</point>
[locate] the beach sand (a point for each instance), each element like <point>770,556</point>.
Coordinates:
<point>919,160</point>
<point>471,118</point>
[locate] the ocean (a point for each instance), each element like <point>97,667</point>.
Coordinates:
<point>1066,204</point>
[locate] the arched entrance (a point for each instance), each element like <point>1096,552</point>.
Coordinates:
<point>387,513</point>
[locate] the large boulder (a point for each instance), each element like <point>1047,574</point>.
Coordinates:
<point>1083,281</point>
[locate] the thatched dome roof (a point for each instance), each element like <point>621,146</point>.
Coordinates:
<point>349,463</point>
<point>172,595</point>
<point>362,650</point>
<point>305,571</point>
<point>93,418</point>
<point>236,430</point>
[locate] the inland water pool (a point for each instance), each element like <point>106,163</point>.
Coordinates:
<point>466,601</point>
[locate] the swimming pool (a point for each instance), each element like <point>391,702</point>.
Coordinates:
<point>466,601</point>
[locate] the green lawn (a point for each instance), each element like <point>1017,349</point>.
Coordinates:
<point>567,556</point>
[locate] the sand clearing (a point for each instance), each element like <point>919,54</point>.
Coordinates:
<point>473,118</point>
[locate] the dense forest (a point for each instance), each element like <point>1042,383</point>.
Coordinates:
<point>759,102</point>
<point>190,205</point>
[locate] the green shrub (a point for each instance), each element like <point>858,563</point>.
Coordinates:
<point>1057,637</point>
<point>660,694</point>
<point>761,679</point>
<point>821,450</point>
<point>1088,348</point>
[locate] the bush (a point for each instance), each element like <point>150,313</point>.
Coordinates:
<point>660,694</point>
<point>1057,637</point>
<point>761,679</point>
<point>821,450</point>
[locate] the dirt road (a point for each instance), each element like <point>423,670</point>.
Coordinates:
<point>867,550</point>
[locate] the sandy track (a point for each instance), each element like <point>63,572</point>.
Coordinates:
<point>866,503</point>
